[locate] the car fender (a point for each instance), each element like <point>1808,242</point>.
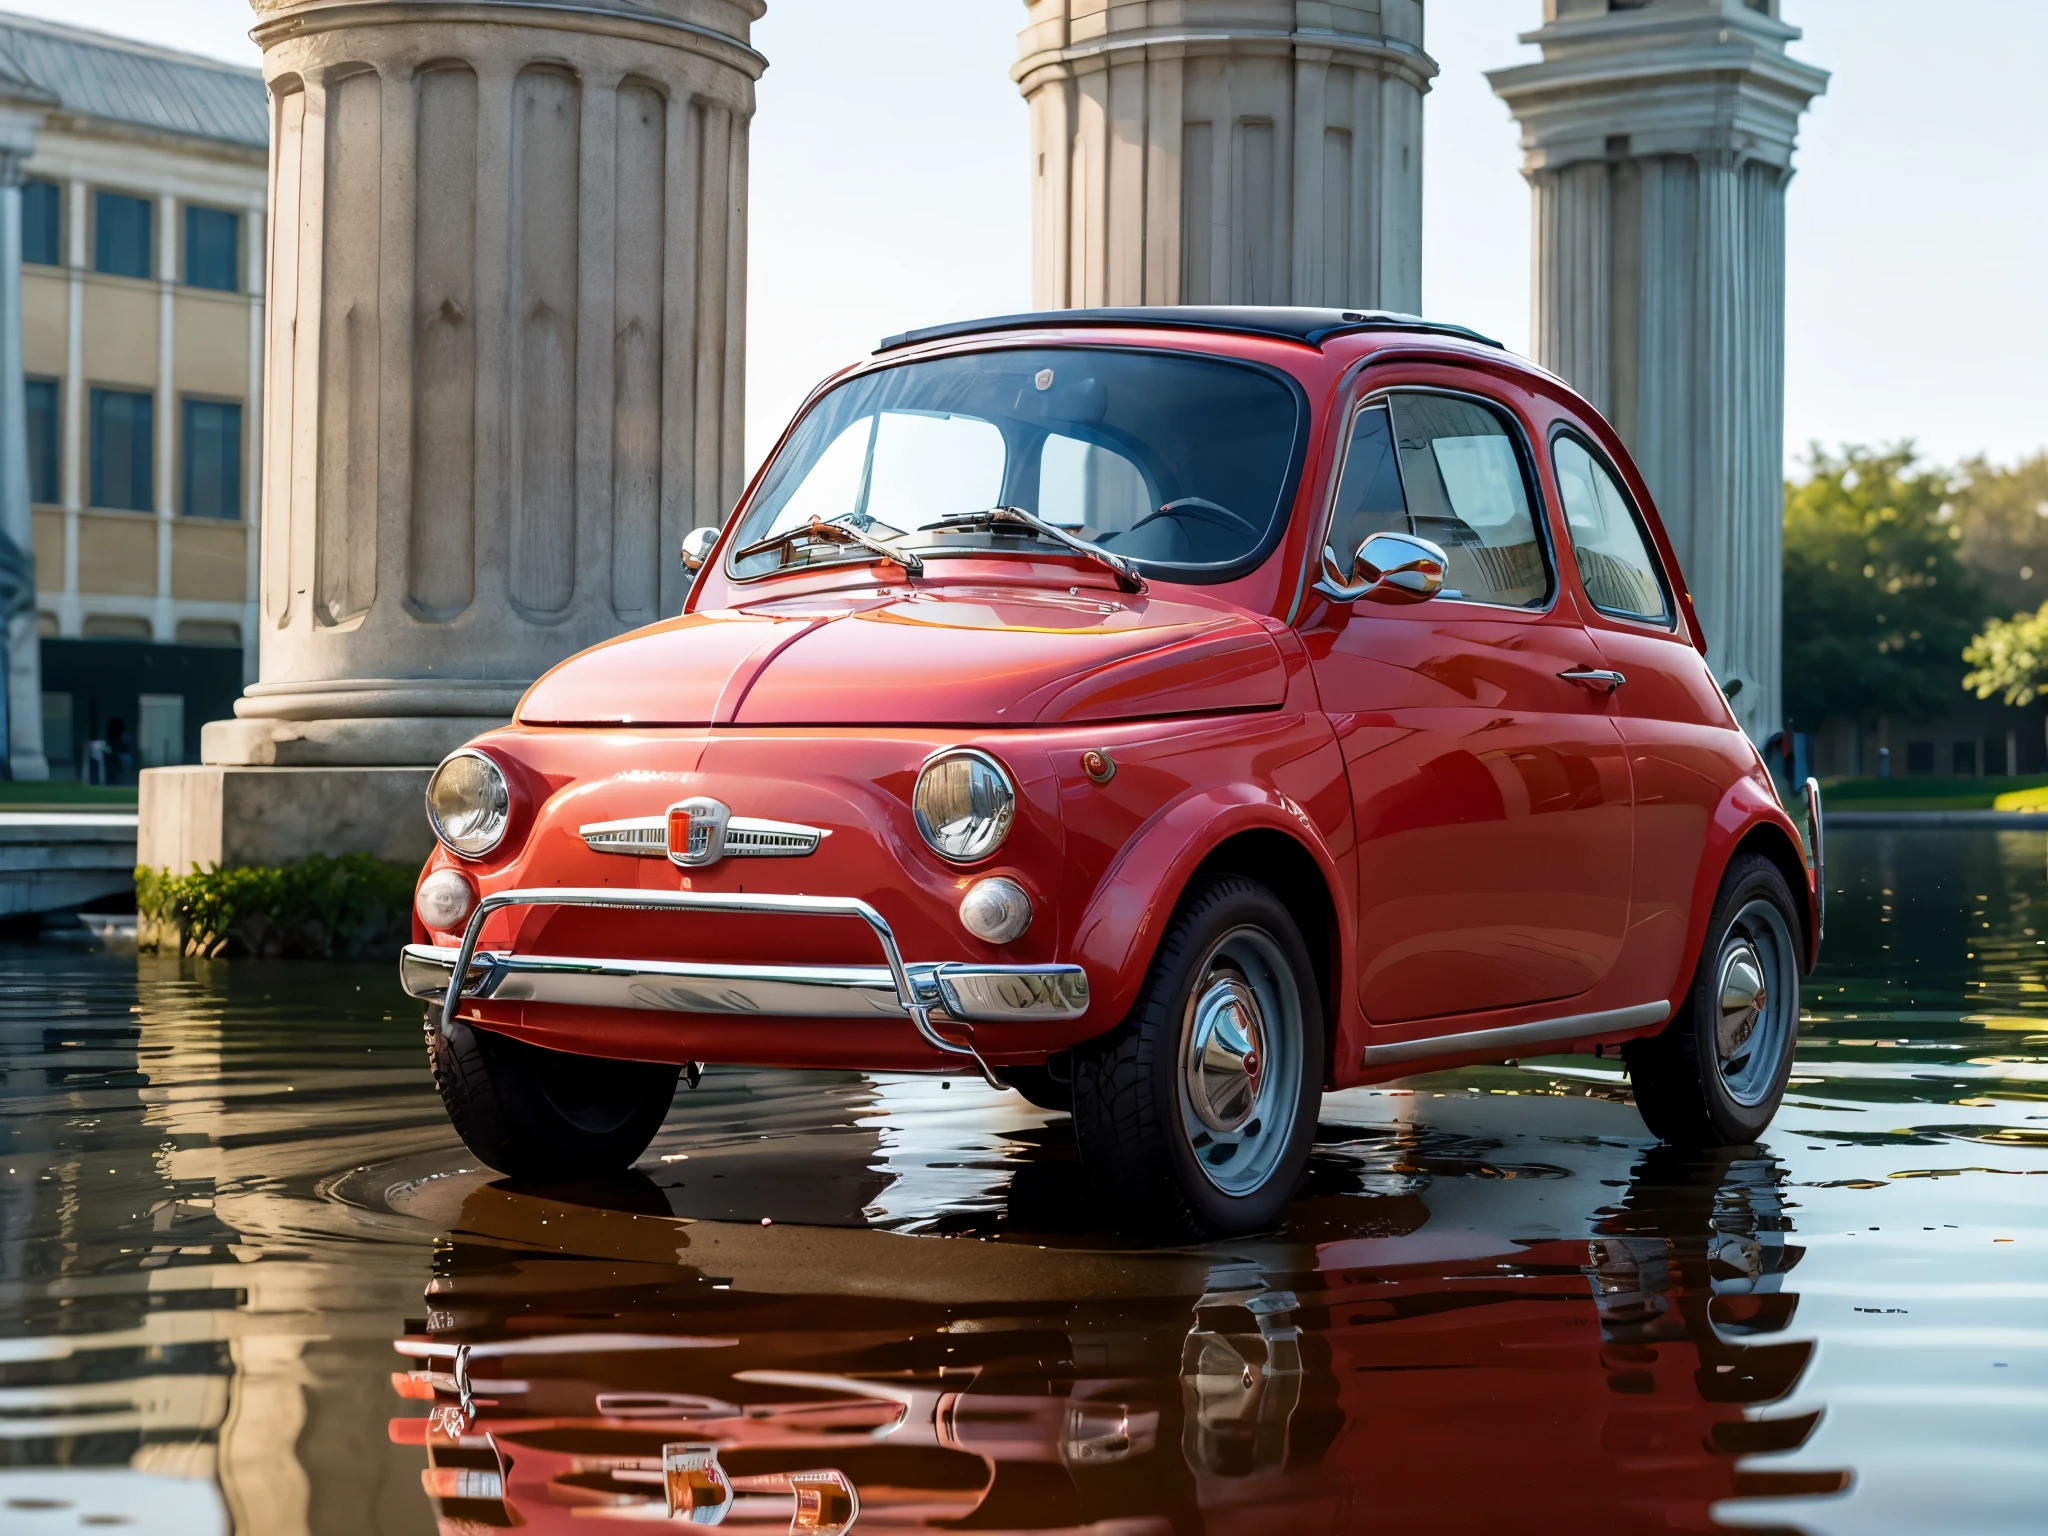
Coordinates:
<point>1744,806</point>
<point>1125,918</point>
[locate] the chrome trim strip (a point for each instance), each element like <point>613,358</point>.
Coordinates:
<point>1514,1038</point>
<point>971,993</point>
<point>746,837</point>
<point>1820,864</point>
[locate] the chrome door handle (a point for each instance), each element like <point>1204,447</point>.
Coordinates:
<point>1597,678</point>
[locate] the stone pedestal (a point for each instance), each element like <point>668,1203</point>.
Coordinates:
<point>1226,151</point>
<point>198,817</point>
<point>503,370</point>
<point>1658,142</point>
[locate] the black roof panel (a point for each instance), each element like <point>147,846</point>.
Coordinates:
<point>1311,326</point>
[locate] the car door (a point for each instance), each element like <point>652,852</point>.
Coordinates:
<point>1491,793</point>
<point>1684,747</point>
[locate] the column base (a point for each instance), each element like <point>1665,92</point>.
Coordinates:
<point>193,818</point>
<point>394,741</point>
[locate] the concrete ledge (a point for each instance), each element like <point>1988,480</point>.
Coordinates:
<point>194,817</point>
<point>1933,821</point>
<point>51,860</point>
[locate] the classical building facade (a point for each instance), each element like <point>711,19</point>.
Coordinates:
<point>1226,151</point>
<point>140,243</point>
<point>1657,139</point>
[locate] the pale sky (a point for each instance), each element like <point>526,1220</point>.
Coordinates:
<point>889,191</point>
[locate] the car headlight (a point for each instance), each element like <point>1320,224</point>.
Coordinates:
<point>964,804</point>
<point>444,900</point>
<point>469,804</point>
<point>995,911</point>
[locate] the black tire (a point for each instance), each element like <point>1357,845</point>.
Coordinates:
<point>1135,1115</point>
<point>1037,1085</point>
<point>546,1116</point>
<point>1690,1091</point>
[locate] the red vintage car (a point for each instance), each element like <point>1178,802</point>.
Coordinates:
<point>1169,714</point>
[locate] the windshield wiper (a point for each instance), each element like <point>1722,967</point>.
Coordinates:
<point>1127,576</point>
<point>832,532</point>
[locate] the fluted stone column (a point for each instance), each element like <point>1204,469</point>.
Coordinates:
<point>503,376</point>
<point>1226,151</point>
<point>504,360</point>
<point>1658,142</point>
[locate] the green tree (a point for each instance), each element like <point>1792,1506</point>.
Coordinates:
<point>2010,658</point>
<point>2003,514</point>
<point>1878,603</point>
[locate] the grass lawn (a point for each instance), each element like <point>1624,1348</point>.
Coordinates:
<point>57,795</point>
<point>2026,793</point>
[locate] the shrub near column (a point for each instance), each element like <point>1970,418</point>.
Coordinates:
<point>320,907</point>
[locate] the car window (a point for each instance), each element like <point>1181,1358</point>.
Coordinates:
<point>1614,559</point>
<point>1093,490</point>
<point>1464,488</point>
<point>900,470</point>
<point>1182,463</point>
<point>1369,498</point>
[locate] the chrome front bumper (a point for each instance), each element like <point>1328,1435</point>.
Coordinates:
<point>924,994</point>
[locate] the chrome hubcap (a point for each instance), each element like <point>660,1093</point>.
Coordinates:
<point>1240,1061</point>
<point>1744,996</point>
<point>1224,1053</point>
<point>1756,1014</point>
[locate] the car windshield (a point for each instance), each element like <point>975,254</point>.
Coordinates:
<point>1176,463</point>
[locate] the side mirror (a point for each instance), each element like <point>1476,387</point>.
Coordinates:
<point>697,545</point>
<point>1388,568</point>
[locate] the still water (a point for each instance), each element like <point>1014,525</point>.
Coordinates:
<point>231,1210</point>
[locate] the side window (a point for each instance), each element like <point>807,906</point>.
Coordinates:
<point>1466,491</point>
<point>1369,498</point>
<point>1614,559</point>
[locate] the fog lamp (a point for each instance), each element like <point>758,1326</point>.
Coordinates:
<point>469,804</point>
<point>444,900</point>
<point>964,803</point>
<point>996,911</point>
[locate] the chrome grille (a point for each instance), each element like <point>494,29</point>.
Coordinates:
<point>646,837</point>
<point>746,837</point>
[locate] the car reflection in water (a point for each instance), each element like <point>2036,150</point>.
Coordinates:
<point>1383,1362</point>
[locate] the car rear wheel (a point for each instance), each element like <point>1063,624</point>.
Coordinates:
<point>1716,1075</point>
<point>543,1115</point>
<point>1196,1115</point>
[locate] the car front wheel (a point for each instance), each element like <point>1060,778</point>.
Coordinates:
<point>1195,1116</point>
<point>1716,1075</point>
<point>546,1116</point>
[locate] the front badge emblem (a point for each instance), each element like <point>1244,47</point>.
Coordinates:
<point>696,831</point>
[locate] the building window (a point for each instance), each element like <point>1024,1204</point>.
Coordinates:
<point>209,632</point>
<point>1919,757</point>
<point>213,249</point>
<point>57,728</point>
<point>116,626</point>
<point>42,440</point>
<point>161,729</point>
<point>41,225</point>
<point>121,467</point>
<point>213,459</point>
<point>1963,759</point>
<point>121,230</point>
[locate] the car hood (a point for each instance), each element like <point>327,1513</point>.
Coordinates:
<point>939,656</point>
